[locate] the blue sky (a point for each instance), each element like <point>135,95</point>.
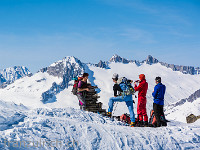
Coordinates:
<point>36,33</point>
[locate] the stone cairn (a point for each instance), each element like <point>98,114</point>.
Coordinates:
<point>92,104</point>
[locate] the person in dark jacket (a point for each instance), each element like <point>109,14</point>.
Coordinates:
<point>142,100</point>
<point>118,98</point>
<point>158,94</point>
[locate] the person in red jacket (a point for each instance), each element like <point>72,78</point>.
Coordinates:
<point>141,107</point>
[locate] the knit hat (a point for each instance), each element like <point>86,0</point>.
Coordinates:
<point>142,77</point>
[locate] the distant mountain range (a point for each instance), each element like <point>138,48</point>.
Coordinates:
<point>9,75</point>
<point>150,60</point>
<point>70,67</point>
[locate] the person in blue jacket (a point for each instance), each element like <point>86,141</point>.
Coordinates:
<point>118,98</point>
<point>158,94</point>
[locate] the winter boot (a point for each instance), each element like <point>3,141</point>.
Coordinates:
<point>109,114</point>
<point>146,124</point>
<point>132,124</point>
<point>140,124</point>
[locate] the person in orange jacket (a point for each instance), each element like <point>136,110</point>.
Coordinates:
<point>141,107</point>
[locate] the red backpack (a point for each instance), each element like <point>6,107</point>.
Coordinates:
<point>125,118</point>
<point>153,122</point>
<point>152,119</point>
<point>75,86</point>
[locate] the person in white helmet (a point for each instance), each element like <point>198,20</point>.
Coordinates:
<point>118,88</point>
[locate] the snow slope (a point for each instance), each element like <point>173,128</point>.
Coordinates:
<point>75,129</point>
<point>178,85</point>
<point>23,117</point>
<point>28,90</point>
<point>179,113</point>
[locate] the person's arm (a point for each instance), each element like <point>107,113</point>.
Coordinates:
<point>80,89</point>
<point>130,81</point>
<point>85,89</point>
<point>155,91</point>
<point>139,87</point>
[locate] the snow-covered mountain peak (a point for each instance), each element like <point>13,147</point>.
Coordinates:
<point>67,68</point>
<point>117,58</point>
<point>68,65</point>
<point>13,73</point>
<point>151,60</point>
<point>67,60</point>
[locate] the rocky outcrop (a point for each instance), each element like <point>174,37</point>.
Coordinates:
<point>192,118</point>
<point>151,60</point>
<point>2,79</point>
<point>116,58</point>
<point>191,99</point>
<point>67,69</point>
<point>183,69</point>
<point>9,75</point>
<point>102,64</point>
<point>13,73</point>
<point>197,70</point>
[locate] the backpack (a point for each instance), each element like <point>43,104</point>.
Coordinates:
<point>75,86</point>
<point>153,122</point>
<point>125,118</point>
<point>126,87</point>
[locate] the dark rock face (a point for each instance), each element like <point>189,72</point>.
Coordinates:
<point>197,70</point>
<point>150,60</point>
<point>191,99</point>
<point>2,79</point>
<point>183,69</point>
<point>67,69</point>
<point>9,75</point>
<point>102,64</point>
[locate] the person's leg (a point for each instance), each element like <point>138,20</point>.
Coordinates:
<point>157,113</point>
<point>139,112</point>
<point>129,104</point>
<point>111,102</point>
<point>144,111</point>
<point>82,103</point>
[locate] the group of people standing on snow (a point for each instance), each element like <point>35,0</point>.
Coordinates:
<point>122,94</point>
<point>141,86</point>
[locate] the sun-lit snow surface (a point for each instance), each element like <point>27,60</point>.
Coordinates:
<point>179,113</point>
<point>178,85</point>
<point>75,129</point>
<point>28,90</point>
<point>61,121</point>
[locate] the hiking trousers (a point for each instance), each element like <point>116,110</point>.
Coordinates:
<point>81,99</point>
<point>158,110</point>
<point>141,109</point>
<point>129,103</point>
